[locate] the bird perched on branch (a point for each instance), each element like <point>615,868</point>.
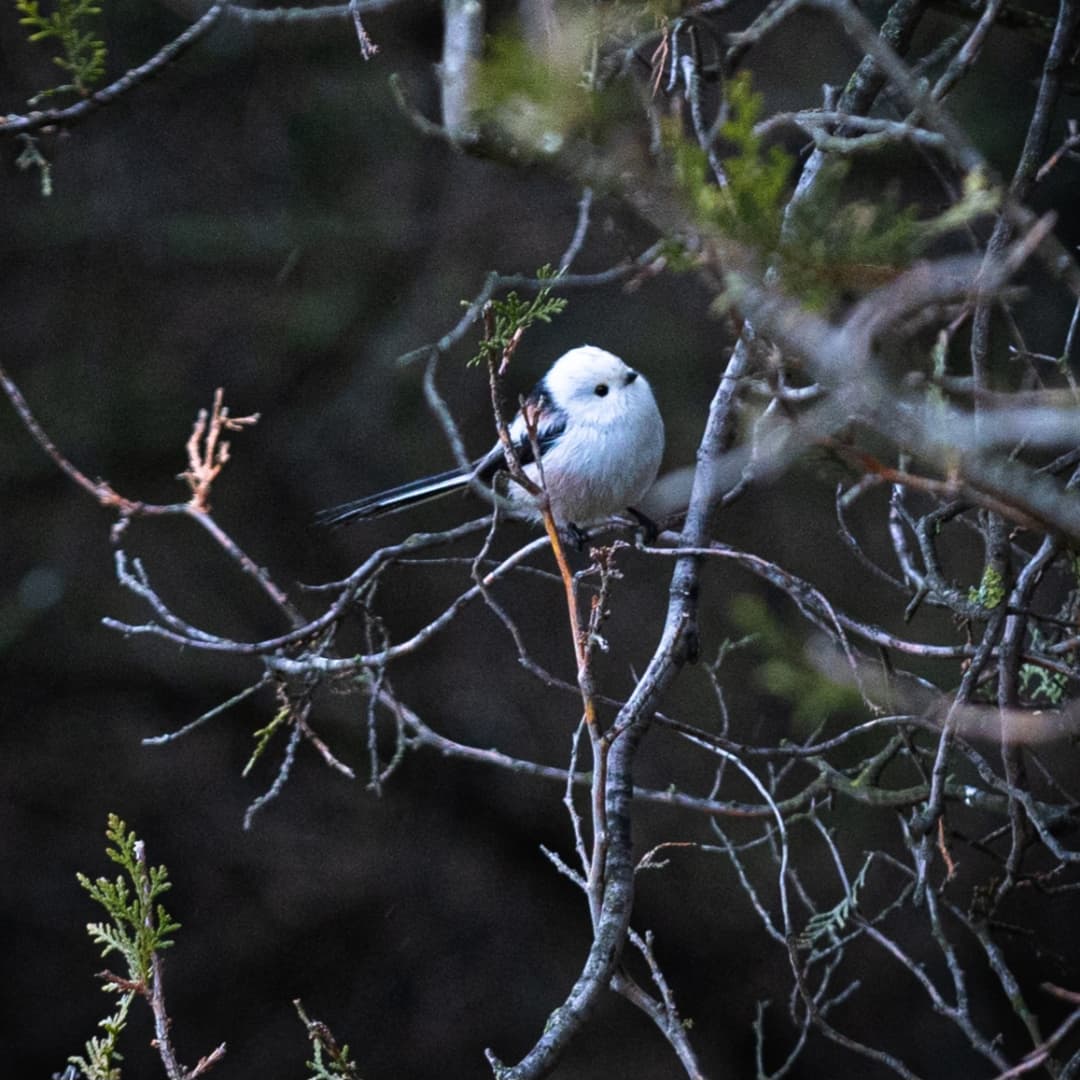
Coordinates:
<point>600,438</point>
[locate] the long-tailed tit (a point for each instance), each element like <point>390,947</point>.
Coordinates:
<point>600,438</point>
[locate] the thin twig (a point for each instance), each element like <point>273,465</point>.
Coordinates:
<point>72,114</point>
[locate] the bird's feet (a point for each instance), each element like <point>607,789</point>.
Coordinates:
<point>578,537</point>
<point>647,529</point>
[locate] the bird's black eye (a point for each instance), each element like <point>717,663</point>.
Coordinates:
<point>601,389</point>
<point>629,377</point>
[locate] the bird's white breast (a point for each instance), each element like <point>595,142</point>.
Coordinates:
<point>601,466</point>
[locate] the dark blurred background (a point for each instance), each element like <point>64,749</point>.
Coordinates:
<point>262,218</point>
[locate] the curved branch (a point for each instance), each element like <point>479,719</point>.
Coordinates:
<point>13,125</point>
<point>678,643</point>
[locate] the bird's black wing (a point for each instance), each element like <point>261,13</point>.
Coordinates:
<point>550,424</point>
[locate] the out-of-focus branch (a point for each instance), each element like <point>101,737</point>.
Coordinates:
<point>873,133</point>
<point>1058,260</point>
<point>463,43</point>
<point>835,353</point>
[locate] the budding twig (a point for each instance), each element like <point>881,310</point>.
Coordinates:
<point>207,452</point>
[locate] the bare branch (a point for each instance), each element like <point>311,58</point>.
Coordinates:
<point>72,114</point>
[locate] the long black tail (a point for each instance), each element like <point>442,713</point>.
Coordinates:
<point>399,498</point>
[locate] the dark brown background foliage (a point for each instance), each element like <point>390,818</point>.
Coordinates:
<point>262,217</point>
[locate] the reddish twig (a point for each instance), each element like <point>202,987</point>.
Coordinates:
<point>99,489</point>
<point>207,452</point>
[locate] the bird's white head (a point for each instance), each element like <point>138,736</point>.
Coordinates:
<point>596,387</point>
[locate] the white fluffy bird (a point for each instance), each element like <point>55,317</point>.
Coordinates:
<point>600,437</point>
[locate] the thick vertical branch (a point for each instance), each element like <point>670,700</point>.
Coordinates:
<point>463,41</point>
<point>538,22</point>
<point>678,643</point>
